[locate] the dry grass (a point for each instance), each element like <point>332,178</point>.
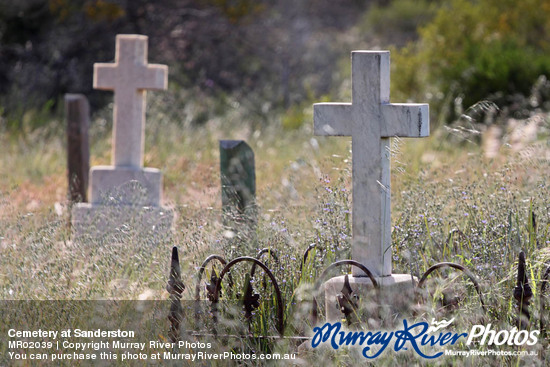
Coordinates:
<point>303,195</point>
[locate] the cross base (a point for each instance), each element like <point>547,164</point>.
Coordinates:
<point>125,186</point>
<point>124,203</point>
<point>395,298</point>
<point>120,223</point>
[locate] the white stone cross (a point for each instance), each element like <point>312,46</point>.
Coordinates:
<point>371,120</point>
<point>129,76</point>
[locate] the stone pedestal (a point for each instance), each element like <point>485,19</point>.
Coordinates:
<point>125,185</point>
<point>393,301</point>
<point>125,201</point>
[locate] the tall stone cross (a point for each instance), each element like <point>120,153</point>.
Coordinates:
<point>371,120</point>
<point>129,77</point>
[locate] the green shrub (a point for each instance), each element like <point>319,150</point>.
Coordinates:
<point>398,21</point>
<point>476,50</point>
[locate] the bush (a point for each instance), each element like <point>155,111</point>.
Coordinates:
<point>475,50</point>
<point>397,23</point>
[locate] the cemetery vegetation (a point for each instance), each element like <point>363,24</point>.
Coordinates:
<point>454,198</point>
<point>477,50</point>
<point>449,203</point>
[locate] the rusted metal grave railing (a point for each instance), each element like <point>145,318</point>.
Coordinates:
<point>250,299</point>
<point>347,301</point>
<point>442,265</point>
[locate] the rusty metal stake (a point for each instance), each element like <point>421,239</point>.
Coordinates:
<point>175,287</point>
<point>348,301</point>
<point>251,301</point>
<point>522,294</point>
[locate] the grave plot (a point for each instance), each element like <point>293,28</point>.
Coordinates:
<point>371,120</point>
<point>126,194</point>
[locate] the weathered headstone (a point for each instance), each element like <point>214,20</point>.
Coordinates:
<point>77,113</point>
<point>371,120</point>
<point>238,178</point>
<point>126,191</point>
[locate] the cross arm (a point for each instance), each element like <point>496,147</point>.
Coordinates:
<point>105,76</point>
<point>332,119</point>
<point>405,120</point>
<point>155,76</point>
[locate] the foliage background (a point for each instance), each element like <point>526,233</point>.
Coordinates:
<point>272,53</point>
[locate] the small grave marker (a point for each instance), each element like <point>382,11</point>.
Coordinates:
<point>77,113</point>
<point>238,179</point>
